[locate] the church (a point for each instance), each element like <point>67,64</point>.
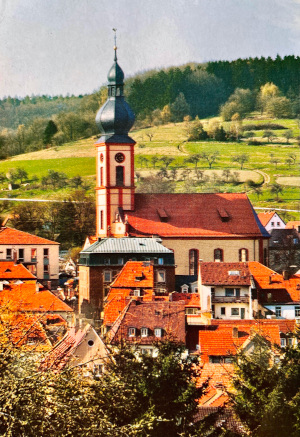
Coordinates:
<point>211,227</point>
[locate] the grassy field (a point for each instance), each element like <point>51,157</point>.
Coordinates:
<point>266,165</point>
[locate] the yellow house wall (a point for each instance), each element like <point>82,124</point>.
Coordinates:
<point>206,248</point>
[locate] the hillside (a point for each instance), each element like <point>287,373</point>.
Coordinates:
<point>266,164</point>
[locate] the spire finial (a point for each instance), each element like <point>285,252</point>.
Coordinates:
<point>115,47</point>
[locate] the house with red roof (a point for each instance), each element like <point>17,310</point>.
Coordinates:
<point>28,297</point>
<point>225,290</point>
<point>143,281</point>
<point>11,272</point>
<point>39,255</point>
<point>278,294</point>
<point>145,322</point>
<point>218,342</point>
<point>271,220</point>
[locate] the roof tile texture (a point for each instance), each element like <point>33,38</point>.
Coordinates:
<point>193,215</point>
<point>213,273</point>
<point>13,236</point>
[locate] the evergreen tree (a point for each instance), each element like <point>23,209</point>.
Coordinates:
<point>49,131</point>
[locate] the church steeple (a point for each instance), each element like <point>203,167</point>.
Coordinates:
<point>115,158</point>
<point>115,117</point>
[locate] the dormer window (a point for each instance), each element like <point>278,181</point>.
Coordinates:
<point>158,332</point>
<point>137,292</point>
<point>131,332</point>
<point>144,332</point>
<point>225,217</point>
<point>162,215</point>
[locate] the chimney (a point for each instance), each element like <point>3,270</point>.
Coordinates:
<point>285,275</point>
<point>235,332</point>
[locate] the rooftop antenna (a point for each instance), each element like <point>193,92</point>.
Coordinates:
<point>115,46</point>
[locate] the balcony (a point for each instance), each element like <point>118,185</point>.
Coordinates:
<point>231,299</point>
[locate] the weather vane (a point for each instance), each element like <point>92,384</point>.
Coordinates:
<point>115,47</point>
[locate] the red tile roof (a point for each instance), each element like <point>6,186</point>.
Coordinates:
<point>294,224</point>
<point>282,290</point>
<point>218,339</point>
<point>25,297</point>
<point>194,215</point>
<point>190,299</point>
<point>265,217</point>
<point>219,382</point>
<point>135,274</point>
<point>10,270</point>
<point>13,236</point>
<point>170,316</point>
<point>215,273</point>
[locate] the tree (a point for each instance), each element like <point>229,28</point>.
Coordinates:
<point>293,156</point>
<point>167,160</point>
<point>154,184</point>
<point>279,107</point>
<point>211,158</point>
<point>194,159</point>
<point>288,135</point>
<point>275,161</point>
<point>289,162</point>
<point>49,132</point>
<point>241,102</point>
<point>154,160</point>
<point>226,174</point>
<point>195,130</point>
<point>76,181</point>
<point>269,135</point>
<point>276,189</point>
<point>28,217</point>
<point>179,108</point>
<point>267,389</point>
<point>241,158</point>
<point>267,92</point>
<point>21,174</point>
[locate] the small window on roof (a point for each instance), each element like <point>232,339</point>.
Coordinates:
<point>131,332</point>
<point>144,332</point>
<point>225,217</point>
<point>158,332</point>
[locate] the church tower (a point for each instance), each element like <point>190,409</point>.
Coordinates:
<point>115,158</point>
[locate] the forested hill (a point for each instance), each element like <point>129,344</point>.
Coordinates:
<point>207,87</point>
<point>156,97</point>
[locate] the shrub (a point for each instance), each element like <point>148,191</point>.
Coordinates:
<point>255,143</point>
<point>263,126</point>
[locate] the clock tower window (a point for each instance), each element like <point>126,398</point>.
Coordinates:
<point>120,176</point>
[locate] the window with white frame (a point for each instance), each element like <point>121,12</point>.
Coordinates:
<point>131,332</point>
<point>283,342</point>
<point>223,311</point>
<point>297,311</point>
<point>8,253</point>
<point>161,276</point>
<point>158,332</point>
<point>107,276</point>
<point>235,311</point>
<point>290,340</point>
<point>137,292</point>
<point>278,311</point>
<point>144,332</point>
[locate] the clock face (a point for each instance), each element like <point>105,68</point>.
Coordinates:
<point>119,157</point>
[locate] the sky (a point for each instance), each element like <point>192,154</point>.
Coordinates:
<point>66,46</point>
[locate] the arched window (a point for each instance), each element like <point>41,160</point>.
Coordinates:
<point>120,176</point>
<point>193,261</point>
<point>218,255</point>
<point>243,255</point>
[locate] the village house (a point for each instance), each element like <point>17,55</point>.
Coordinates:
<point>38,254</point>
<point>79,347</point>
<point>101,262</point>
<point>146,322</point>
<point>144,281</point>
<point>271,220</point>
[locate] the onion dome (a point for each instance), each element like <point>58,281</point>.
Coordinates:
<point>115,117</point>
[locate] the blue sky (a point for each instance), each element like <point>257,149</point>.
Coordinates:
<point>66,46</point>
